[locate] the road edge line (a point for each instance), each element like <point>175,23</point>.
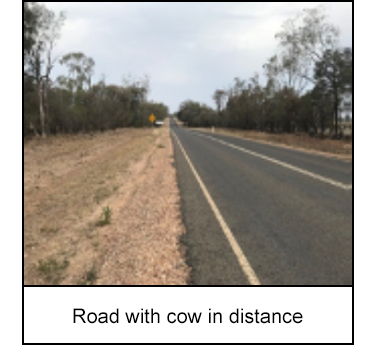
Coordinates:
<point>242,260</point>
<point>284,146</point>
<point>281,163</point>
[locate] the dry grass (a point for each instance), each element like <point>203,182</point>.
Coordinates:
<point>70,180</point>
<point>338,148</point>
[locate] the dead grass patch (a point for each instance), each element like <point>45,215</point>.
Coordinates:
<point>70,180</point>
<point>52,269</point>
<point>90,276</point>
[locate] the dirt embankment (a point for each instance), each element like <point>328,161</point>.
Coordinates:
<point>102,209</point>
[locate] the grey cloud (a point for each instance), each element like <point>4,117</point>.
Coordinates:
<point>188,49</point>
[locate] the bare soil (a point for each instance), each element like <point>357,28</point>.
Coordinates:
<point>329,147</point>
<point>70,180</point>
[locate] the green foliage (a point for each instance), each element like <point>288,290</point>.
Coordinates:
<point>194,114</point>
<point>302,42</point>
<point>41,30</point>
<point>41,33</point>
<point>29,28</point>
<point>52,269</point>
<point>98,108</point>
<point>71,104</point>
<point>307,56</point>
<point>105,216</point>
<point>80,70</point>
<point>90,276</point>
<point>333,75</point>
<point>219,97</point>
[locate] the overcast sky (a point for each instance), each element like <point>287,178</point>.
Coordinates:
<point>188,50</point>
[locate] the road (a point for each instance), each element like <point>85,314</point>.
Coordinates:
<point>258,214</point>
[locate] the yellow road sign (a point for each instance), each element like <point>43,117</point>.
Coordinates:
<point>152,118</point>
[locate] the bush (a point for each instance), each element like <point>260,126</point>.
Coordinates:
<point>105,217</point>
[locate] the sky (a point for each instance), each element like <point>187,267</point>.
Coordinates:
<point>187,50</point>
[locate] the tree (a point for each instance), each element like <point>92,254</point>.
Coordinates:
<point>272,71</point>
<point>305,115</point>
<point>303,41</point>
<point>39,62</point>
<point>322,103</point>
<point>29,28</point>
<point>220,97</point>
<point>29,33</point>
<point>138,98</point>
<point>195,114</point>
<point>80,70</point>
<point>333,73</point>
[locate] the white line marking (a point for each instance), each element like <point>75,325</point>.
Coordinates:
<point>244,263</point>
<point>286,147</point>
<point>283,164</point>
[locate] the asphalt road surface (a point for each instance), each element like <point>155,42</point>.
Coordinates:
<point>262,214</point>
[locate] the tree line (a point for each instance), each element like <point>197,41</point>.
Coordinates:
<point>72,103</point>
<point>308,85</point>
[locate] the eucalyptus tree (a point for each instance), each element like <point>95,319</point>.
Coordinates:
<point>40,62</point>
<point>333,73</point>
<point>29,27</point>
<point>80,71</point>
<point>303,41</point>
<point>220,97</point>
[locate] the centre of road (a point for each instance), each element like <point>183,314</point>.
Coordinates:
<point>283,164</point>
<point>244,263</point>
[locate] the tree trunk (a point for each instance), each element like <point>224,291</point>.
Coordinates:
<point>41,109</point>
<point>45,85</point>
<point>322,124</point>
<point>336,106</point>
